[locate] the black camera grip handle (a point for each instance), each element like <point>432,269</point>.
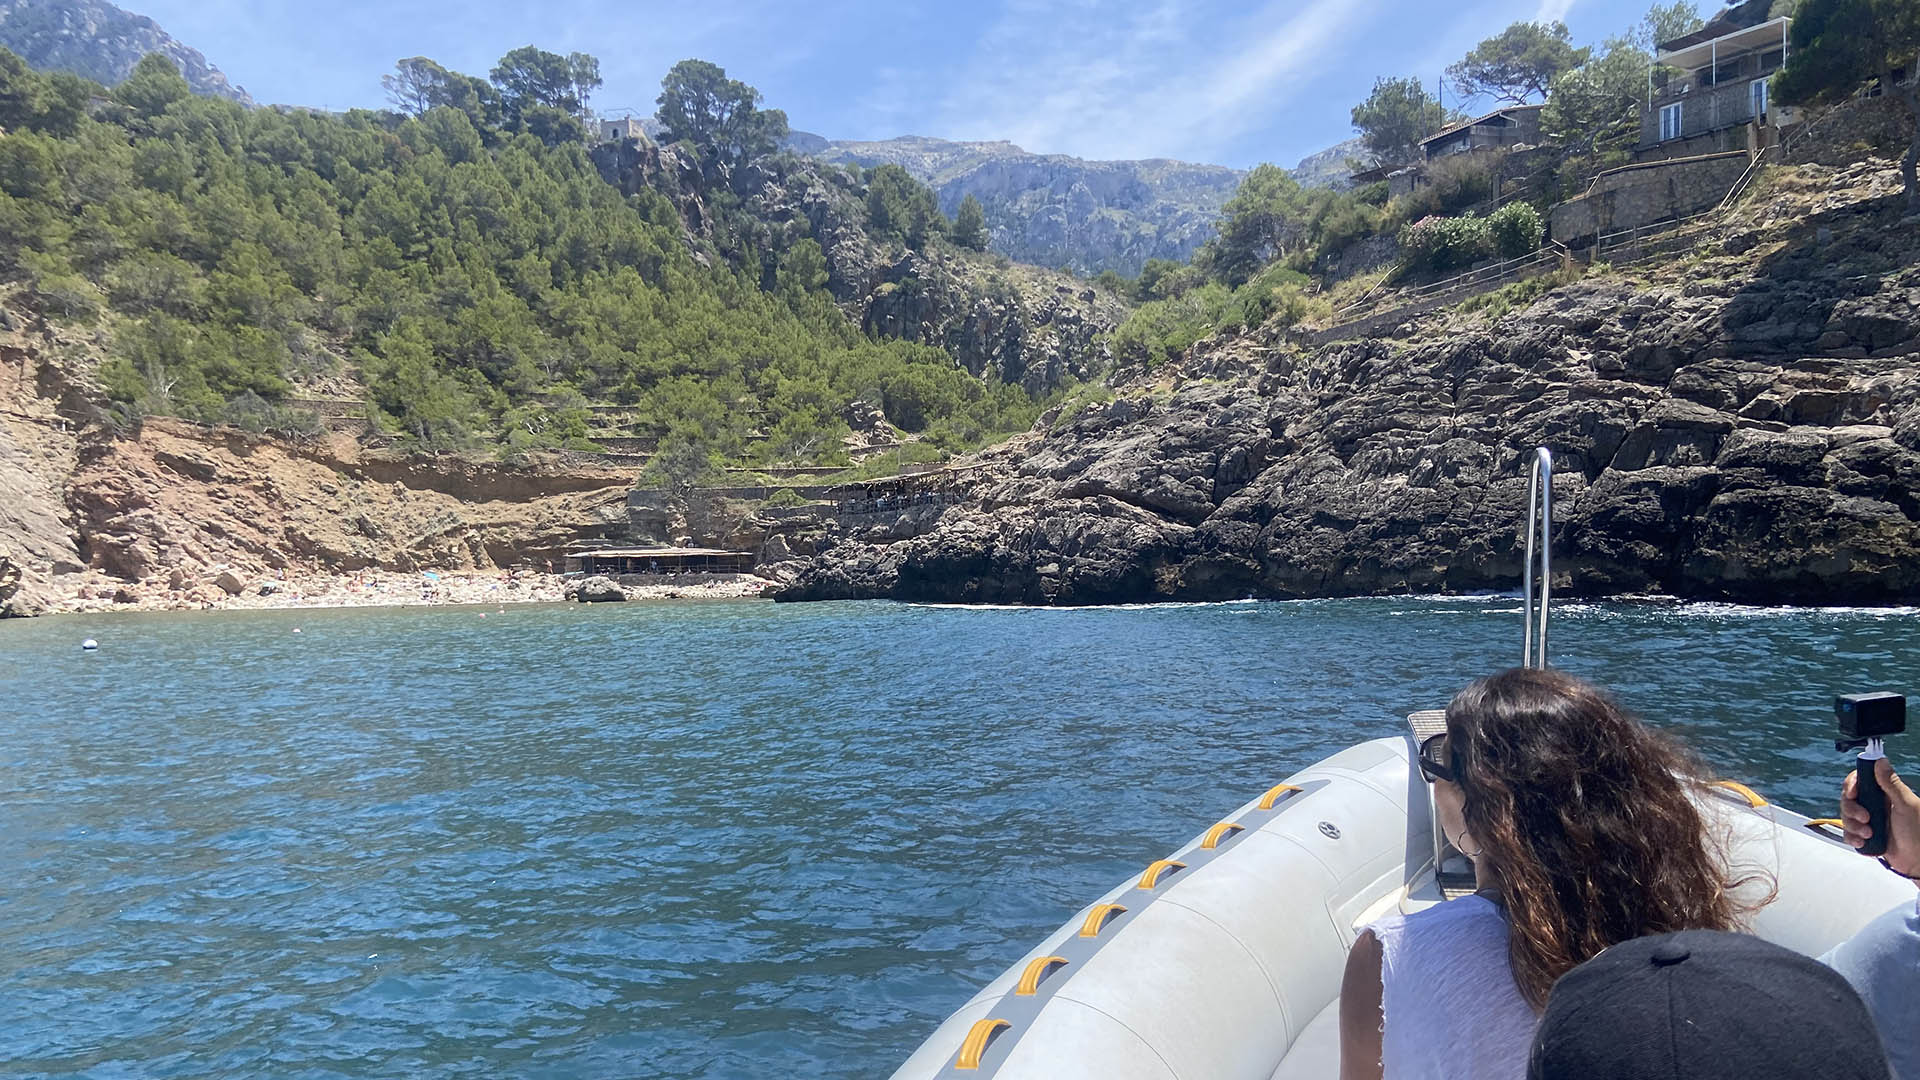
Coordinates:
<point>1866,792</point>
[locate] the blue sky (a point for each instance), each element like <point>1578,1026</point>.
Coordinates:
<point>1234,83</point>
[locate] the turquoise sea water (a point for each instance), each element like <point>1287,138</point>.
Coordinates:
<point>704,840</point>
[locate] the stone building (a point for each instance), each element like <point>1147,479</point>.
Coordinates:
<point>1721,89</point>
<point>620,129</point>
<point>1500,129</point>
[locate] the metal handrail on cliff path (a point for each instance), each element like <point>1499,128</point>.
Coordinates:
<point>1740,186</point>
<point>1540,516</point>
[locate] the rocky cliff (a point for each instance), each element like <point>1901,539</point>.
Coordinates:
<point>1000,320</point>
<point>161,510</point>
<point>1333,166</point>
<point>1738,421</point>
<point>101,42</point>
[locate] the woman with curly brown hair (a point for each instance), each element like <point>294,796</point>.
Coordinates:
<point>1584,831</point>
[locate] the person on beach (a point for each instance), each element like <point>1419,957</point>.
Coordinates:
<point>1582,828</point>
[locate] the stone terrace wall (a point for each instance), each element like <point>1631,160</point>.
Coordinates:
<point>1835,138</point>
<point>1636,195</point>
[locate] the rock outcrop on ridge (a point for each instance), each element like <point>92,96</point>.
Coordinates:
<point>1741,421</point>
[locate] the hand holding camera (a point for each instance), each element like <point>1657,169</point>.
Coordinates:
<point>1880,813</point>
<point>1903,818</point>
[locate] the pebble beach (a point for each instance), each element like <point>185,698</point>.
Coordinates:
<point>93,592</point>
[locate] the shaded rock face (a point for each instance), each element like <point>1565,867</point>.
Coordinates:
<point>643,165</point>
<point>42,412</point>
<point>102,42</point>
<point>1747,430</point>
<point>11,574</point>
<point>1020,325</point>
<point>1034,332</point>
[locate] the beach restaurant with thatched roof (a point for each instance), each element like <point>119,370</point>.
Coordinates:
<point>660,560</point>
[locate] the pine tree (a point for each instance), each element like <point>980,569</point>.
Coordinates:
<point>970,225</point>
<point>1395,117</point>
<point>1518,64</point>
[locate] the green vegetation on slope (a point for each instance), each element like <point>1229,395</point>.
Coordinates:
<point>1281,250</point>
<point>468,264</point>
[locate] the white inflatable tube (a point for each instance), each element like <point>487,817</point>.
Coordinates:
<point>1224,961</point>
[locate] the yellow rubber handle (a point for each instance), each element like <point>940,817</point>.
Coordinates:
<point>1030,979</point>
<point>1273,794</point>
<point>1753,797</point>
<point>1834,823</point>
<point>1097,918</point>
<point>975,1044</point>
<point>1157,867</point>
<point>1218,833</point>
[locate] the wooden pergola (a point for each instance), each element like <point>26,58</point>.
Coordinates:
<point>662,560</point>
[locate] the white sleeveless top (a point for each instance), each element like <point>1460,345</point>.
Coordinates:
<point>1452,1009</point>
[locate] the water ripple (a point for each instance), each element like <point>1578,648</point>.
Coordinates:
<point>721,840</point>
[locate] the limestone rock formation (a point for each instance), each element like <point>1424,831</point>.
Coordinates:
<point>1732,426</point>
<point>102,42</point>
<point>43,410</point>
<point>171,507</point>
<point>183,496</point>
<point>1333,166</point>
<point>11,574</point>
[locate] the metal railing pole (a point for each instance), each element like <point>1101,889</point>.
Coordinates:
<point>1540,524</point>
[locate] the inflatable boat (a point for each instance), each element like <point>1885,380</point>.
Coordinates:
<point>1223,960</point>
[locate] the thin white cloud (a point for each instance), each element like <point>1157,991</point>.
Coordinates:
<point>1553,10</point>
<point>1065,77</point>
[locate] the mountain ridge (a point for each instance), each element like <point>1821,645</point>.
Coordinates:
<point>1057,211</point>
<point>102,42</point>
<point>1074,213</point>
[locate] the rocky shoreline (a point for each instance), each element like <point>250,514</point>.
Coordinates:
<point>1739,422</point>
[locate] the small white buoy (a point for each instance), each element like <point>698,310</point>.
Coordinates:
<point>296,629</point>
<point>89,645</point>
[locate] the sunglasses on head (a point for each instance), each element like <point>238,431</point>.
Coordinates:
<point>1436,760</point>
